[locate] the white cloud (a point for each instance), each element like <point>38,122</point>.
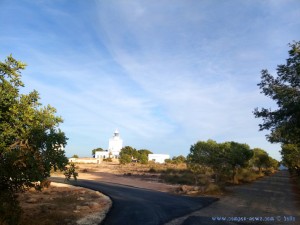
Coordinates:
<point>166,74</point>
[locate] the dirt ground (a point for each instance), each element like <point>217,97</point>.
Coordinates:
<point>131,175</point>
<point>248,197</point>
<point>63,204</point>
<point>66,204</point>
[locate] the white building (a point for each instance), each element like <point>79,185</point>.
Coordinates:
<point>115,145</point>
<point>83,160</point>
<point>158,158</point>
<point>101,154</point>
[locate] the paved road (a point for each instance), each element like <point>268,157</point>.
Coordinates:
<point>143,207</point>
<point>272,197</point>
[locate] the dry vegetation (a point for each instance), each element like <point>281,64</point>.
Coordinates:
<point>179,176</point>
<point>63,204</point>
<point>72,205</point>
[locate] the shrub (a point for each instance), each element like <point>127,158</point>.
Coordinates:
<point>152,170</point>
<point>247,175</point>
<point>84,170</point>
<point>124,159</point>
<point>71,171</point>
<point>213,189</point>
<point>45,183</point>
<point>174,176</point>
<point>107,160</point>
<point>10,210</point>
<point>143,159</point>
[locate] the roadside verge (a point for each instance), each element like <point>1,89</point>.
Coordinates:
<point>65,203</point>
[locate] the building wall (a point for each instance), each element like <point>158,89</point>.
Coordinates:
<point>158,158</point>
<point>115,145</point>
<point>101,154</point>
<point>83,160</point>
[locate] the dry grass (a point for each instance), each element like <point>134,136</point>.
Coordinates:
<point>60,205</point>
<point>201,183</point>
<point>248,175</point>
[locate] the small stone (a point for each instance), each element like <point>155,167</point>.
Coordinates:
<point>80,198</point>
<point>84,207</point>
<point>184,188</point>
<point>93,205</point>
<point>192,192</point>
<point>46,207</point>
<point>196,188</point>
<point>31,200</point>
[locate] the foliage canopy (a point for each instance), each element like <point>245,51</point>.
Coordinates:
<point>225,159</point>
<point>284,122</point>
<point>129,154</point>
<point>284,89</point>
<point>31,144</point>
<point>291,157</point>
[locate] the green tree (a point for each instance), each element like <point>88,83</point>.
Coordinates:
<point>221,158</point>
<point>207,154</point>
<point>124,159</point>
<point>127,154</point>
<point>291,157</point>
<point>75,156</point>
<point>178,159</point>
<point>284,89</point>
<point>95,150</point>
<point>260,159</point>
<point>168,161</point>
<point>145,151</point>
<point>31,144</point>
<point>237,155</point>
<point>142,156</point>
<point>273,163</point>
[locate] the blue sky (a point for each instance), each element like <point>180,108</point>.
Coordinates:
<point>166,73</point>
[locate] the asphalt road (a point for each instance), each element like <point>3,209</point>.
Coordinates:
<point>272,200</point>
<point>143,207</point>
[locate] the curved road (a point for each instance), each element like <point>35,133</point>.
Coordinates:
<point>271,197</point>
<point>140,206</point>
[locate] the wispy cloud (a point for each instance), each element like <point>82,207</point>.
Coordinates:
<point>167,74</point>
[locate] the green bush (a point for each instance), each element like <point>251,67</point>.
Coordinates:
<point>143,159</point>
<point>247,175</point>
<point>174,176</point>
<point>213,189</point>
<point>10,210</point>
<point>124,159</point>
<point>152,170</point>
<point>71,171</point>
<point>107,160</point>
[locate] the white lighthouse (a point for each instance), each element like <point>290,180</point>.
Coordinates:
<point>115,145</point>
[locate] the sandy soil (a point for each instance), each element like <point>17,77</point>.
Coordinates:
<point>63,204</point>
<point>130,180</point>
<point>114,173</point>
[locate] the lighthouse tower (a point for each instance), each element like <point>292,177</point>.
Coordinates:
<point>115,144</point>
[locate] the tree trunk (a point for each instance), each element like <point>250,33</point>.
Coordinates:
<point>260,170</point>
<point>234,175</point>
